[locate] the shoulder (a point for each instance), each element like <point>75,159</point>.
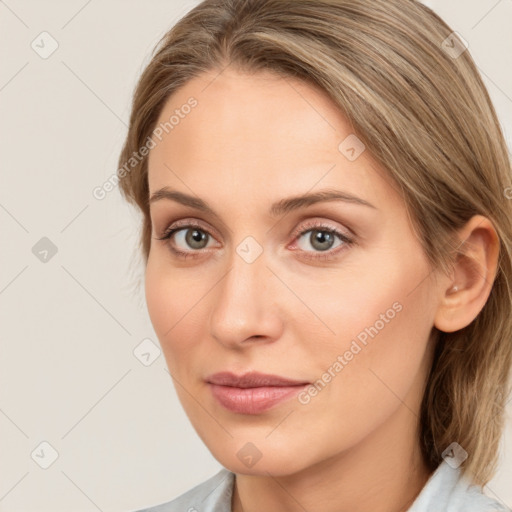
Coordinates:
<point>447,490</point>
<point>212,495</point>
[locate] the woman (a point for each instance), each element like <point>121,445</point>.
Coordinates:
<point>327,239</point>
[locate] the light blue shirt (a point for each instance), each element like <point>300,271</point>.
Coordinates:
<point>445,491</point>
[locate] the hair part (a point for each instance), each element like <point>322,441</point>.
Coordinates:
<point>424,116</point>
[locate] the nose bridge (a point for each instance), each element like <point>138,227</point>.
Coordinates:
<point>243,304</point>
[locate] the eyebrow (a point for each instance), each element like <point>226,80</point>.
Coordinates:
<point>281,207</point>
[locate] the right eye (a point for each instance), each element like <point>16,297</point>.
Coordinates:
<point>190,236</point>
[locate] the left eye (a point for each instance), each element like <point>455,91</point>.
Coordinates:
<point>322,239</point>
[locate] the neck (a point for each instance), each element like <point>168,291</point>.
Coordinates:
<point>361,480</point>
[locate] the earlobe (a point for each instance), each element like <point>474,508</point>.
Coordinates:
<point>474,271</point>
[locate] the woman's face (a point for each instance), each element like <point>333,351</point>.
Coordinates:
<point>335,293</point>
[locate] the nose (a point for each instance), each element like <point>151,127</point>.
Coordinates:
<point>246,304</point>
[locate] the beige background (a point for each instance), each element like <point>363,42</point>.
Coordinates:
<point>68,373</point>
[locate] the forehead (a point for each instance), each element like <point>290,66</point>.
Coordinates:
<point>257,134</point>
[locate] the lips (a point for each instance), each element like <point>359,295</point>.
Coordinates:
<point>253,392</point>
<point>251,380</point>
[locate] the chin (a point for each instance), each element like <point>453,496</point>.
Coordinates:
<point>259,457</point>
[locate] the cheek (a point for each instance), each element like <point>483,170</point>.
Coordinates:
<point>382,324</point>
<point>159,299</point>
<point>371,295</point>
<point>177,305</point>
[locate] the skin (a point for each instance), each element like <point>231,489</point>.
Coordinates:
<point>251,141</point>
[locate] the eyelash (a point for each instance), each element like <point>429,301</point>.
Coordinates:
<point>308,226</point>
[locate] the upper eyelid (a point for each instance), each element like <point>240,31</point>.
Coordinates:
<point>303,227</point>
<point>186,223</point>
<point>315,223</point>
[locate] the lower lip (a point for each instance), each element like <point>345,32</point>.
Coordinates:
<point>253,400</point>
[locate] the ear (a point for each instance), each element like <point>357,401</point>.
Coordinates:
<point>464,295</point>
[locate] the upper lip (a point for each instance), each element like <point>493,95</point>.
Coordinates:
<point>251,380</point>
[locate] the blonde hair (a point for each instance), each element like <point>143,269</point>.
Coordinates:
<point>425,116</point>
